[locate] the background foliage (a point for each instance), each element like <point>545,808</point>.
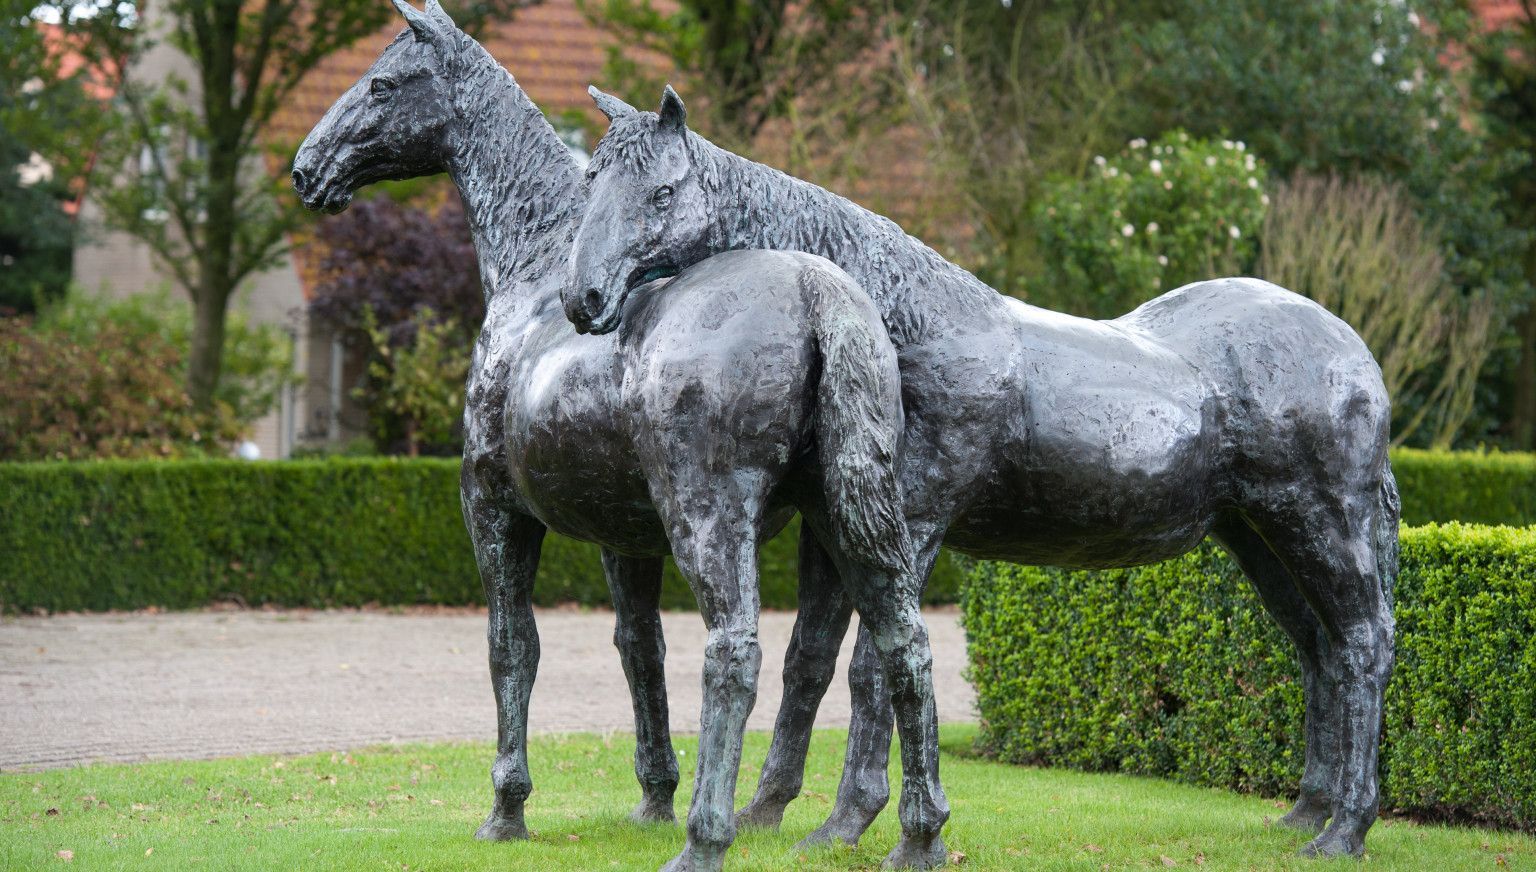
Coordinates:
<point>90,377</point>
<point>1175,670</point>
<point>1156,216</point>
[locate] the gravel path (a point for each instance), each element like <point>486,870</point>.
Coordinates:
<point>129,687</point>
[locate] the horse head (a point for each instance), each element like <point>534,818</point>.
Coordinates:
<point>646,214</point>
<point>394,122</point>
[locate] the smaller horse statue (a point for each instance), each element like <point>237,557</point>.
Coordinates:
<point>1232,408</point>
<point>757,384</point>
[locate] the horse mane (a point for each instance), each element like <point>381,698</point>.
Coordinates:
<point>761,207</point>
<point>524,197</point>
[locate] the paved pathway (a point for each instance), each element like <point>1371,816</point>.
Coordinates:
<point>129,687</point>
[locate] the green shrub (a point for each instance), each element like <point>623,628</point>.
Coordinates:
<point>1175,670</point>
<point>1471,487</point>
<point>121,535</point>
<point>1146,221</point>
<point>126,534</point>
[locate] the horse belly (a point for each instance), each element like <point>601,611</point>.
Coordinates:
<point>1118,475</point>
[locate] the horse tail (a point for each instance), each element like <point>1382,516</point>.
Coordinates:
<point>1388,513</point>
<point>858,421</point>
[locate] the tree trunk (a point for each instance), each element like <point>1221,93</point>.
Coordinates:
<point>207,356</point>
<point>1522,418</point>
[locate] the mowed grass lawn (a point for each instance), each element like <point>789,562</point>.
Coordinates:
<point>415,807</point>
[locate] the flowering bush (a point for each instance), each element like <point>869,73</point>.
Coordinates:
<point>1154,217</point>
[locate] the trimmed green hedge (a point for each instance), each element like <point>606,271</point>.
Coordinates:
<point>1175,670</point>
<point>129,534</point>
<point>1470,487</point>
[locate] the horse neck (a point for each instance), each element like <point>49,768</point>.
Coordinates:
<point>755,206</point>
<point>520,185</point>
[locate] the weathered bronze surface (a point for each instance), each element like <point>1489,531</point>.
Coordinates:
<point>757,384</point>
<point>1231,408</point>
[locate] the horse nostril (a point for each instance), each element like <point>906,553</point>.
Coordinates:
<point>593,302</point>
<point>300,182</point>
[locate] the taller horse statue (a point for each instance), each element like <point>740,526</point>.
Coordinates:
<point>759,384</point>
<point>1232,408</point>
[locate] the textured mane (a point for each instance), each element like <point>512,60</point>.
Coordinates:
<point>755,206</point>
<point>521,187</point>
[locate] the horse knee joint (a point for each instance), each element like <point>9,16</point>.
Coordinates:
<point>733,657</point>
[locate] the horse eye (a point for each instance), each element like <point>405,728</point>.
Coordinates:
<point>380,86</point>
<point>663,196</point>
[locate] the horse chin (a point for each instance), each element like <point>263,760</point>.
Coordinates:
<point>609,320</point>
<point>336,201</point>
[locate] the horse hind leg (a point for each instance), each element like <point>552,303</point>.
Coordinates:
<point>1331,544</point>
<point>865,787</point>
<point>888,609</point>
<point>809,664</point>
<point>1284,602</point>
<point>635,586</point>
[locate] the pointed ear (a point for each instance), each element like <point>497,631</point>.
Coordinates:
<point>435,31</point>
<point>416,20</point>
<point>673,115</point>
<point>610,105</point>
<point>439,15</point>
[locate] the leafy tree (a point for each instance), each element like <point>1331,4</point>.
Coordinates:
<point>747,60</point>
<point>412,308</point>
<point>1506,66</point>
<point>1009,95</point>
<point>204,198</point>
<point>47,125</point>
<point>1348,88</point>
<point>1353,89</point>
<point>367,275</point>
<point>418,383</point>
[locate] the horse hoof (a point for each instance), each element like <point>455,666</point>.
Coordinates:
<point>1333,843</point>
<point>500,829</point>
<point>1306,817</point>
<point>653,812</point>
<point>827,834</point>
<point>917,854</point>
<point>690,861</point>
<point>760,816</point>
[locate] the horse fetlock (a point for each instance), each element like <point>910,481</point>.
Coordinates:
<point>509,775</point>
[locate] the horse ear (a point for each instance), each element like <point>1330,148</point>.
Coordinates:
<point>416,20</point>
<point>674,116</point>
<point>439,15</point>
<point>427,26</point>
<point>610,105</point>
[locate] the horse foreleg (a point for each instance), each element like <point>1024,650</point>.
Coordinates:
<point>809,664</point>
<point>635,585</point>
<point>717,553</point>
<point>507,551</point>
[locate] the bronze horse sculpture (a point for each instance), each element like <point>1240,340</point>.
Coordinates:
<point>759,384</point>
<point>1230,408</point>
